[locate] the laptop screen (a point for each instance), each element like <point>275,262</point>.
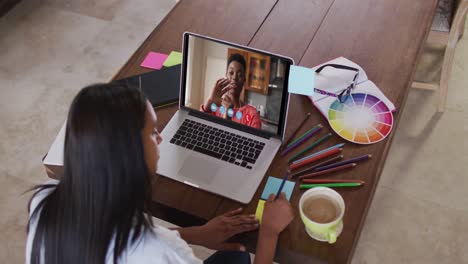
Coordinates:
<point>235,83</point>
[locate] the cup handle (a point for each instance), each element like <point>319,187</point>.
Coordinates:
<point>332,235</point>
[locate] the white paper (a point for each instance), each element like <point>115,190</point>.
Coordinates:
<point>335,80</point>
<point>55,154</point>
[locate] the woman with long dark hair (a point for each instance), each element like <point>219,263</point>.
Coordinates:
<point>97,212</point>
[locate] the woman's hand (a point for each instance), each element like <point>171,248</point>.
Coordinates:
<point>228,100</point>
<point>222,86</point>
<point>219,229</point>
<point>277,214</point>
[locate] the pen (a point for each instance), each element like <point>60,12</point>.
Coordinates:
<point>285,177</point>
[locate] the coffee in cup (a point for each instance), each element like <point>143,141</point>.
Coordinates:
<point>321,209</point>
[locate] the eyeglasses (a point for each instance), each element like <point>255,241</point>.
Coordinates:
<point>345,93</point>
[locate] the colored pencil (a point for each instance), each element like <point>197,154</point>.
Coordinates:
<point>365,157</point>
<point>328,161</point>
<point>330,181</point>
<point>285,177</point>
<point>313,145</point>
<point>301,136</point>
<point>343,184</point>
<point>297,130</point>
<point>315,158</point>
<point>308,135</point>
<point>315,174</point>
<point>319,152</point>
<point>304,135</point>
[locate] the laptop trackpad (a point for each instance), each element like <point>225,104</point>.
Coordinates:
<point>198,170</point>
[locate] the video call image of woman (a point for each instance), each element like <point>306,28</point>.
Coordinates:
<point>224,100</point>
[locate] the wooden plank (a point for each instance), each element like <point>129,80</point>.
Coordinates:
<point>386,38</point>
<point>235,21</point>
<point>425,86</point>
<point>290,27</point>
<point>383,36</point>
<point>438,37</point>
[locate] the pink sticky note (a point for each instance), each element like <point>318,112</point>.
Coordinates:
<point>154,60</point>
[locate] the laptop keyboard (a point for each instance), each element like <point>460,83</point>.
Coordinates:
<point>218,143</point>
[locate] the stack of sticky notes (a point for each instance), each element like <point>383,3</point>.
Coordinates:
<point>156,60</point>
<point>272,186</point>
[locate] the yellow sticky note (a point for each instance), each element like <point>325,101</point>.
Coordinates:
<point>174,58</point>
<point>259,211</point>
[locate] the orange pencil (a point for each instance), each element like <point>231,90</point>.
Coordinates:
<point>315,158</point>
<point>343,167</point>
<point>330,181</point>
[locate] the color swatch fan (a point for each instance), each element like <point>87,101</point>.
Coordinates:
<point>362,118</point>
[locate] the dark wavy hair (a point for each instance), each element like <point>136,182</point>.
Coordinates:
<point>105,189</point>
<point>237,58</point>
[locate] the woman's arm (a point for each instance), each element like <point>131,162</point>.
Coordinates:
<point>276,217</point>
<point>266,247</point>
<point>191,234</point>
<point>215,232</point>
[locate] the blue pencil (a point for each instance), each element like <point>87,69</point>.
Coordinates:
<point>318,153</point>
<point>282,183</point>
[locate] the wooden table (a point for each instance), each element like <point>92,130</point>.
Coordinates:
<point>385,37</point>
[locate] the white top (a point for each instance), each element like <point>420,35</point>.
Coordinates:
<point>164,246</point>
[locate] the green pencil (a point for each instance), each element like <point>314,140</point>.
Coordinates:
<point>320,140</point>
<point>342,184</point>
<point>302,136</point>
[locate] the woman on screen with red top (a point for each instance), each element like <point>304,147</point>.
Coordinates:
<point>224,100</point>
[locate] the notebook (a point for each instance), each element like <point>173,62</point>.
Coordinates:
<point>364,117</point>
<point>161,87</point>
<point>335,80</point>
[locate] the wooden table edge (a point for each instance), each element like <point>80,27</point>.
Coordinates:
<point>145,41</point>
<point>391,136</point>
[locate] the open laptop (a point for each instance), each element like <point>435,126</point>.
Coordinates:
<point>231,118</point>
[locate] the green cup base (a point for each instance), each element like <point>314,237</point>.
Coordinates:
<point>339,228</point>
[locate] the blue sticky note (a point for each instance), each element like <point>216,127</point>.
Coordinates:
<point>301,80</point>
<point>273,185</point>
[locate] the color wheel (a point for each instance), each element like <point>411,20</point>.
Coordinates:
<point>362,118</point>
